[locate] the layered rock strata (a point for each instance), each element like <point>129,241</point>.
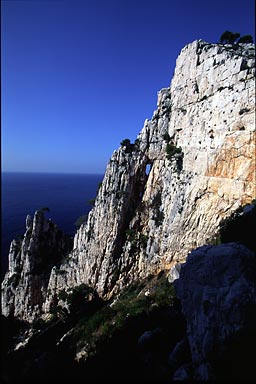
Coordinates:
<point>191,165</point>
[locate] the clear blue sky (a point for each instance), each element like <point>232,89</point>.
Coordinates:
<point>78,76</point>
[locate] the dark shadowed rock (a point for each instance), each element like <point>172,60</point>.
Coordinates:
<point>240,226</point>
<point>217,289</point>
<point>179,355</point>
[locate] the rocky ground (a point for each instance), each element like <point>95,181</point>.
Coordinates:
<point>200,327</point>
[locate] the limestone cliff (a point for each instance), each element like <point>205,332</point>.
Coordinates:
<point>191,165</point>
<point>30,262</point>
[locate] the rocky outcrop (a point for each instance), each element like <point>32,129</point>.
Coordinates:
<point>190,166</point>
<point>30,262</point>
<point>146,221</point>
<point>215,340</point>
<point>217,289</point>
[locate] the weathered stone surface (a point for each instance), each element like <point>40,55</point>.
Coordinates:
<point>145,222</point>
<point>174,272</point>
<point>30,262</point>
<point>217,289</point>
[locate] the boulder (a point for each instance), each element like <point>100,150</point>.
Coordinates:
<point>217,289</point>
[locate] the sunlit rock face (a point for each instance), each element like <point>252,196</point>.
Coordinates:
<point>31,259</point>
<point>142,222</point>
<point>191,165</point>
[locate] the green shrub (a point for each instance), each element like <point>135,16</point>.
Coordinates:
<point>98,319</point>
<point>246,39</point>
<point>228,37</point>
<point>63,295</point>
<point>172,150</point>
<point>96,329</point>
<point>130,303</point>
<point>125,143</point>
<point>129,147</point>
<point>166,137</point>
<point>164,292</point>
<point>158,218</point>
<point>79,293</point>
<point>132,308</point>
<point>231,38</point>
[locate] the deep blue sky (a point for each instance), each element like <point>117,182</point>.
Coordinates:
<point>78,76</point>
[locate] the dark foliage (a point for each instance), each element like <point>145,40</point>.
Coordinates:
<point>172,150</point>
<point>111,334</point>
<point>246,39</point>
<point>166,137</point>
<point>125,142</point>
<point>229,37</point>
<point>128,146</point>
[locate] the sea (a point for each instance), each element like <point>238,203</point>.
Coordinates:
<point>65,195</point>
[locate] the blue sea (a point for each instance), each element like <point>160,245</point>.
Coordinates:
<point>66,196</point>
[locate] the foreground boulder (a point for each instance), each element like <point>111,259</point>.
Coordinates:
<point>217,289</point>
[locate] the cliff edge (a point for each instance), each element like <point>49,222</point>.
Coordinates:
<point>192,165</point>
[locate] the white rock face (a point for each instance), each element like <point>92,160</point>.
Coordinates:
<point>30,262</point>
<point>174,272</point>
<point>208,111</point>
<point>143,223</point>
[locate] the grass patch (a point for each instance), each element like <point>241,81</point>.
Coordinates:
<point>95,330</point>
